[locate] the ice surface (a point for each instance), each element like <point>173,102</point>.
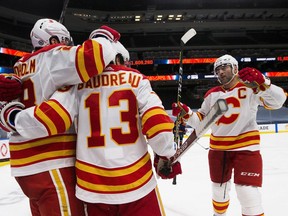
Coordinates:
<point>192,194</point>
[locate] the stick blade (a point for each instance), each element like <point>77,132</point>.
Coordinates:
<point>188,35</point>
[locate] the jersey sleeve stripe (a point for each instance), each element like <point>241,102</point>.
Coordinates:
<point>265,106</point>
<point>45,120</point>
<point>200,116</point>
<point>156,120</point>
<point>62,112</point>
<point>153,131</point>
<point>97,53</point>
<point>53,116</point>
<point>152,112</point>
<point>89,60</point>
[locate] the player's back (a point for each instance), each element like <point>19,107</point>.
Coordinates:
<point>30,156</point>
<point>38,73</point>
<point>110,137</point>
<point>42,73</point>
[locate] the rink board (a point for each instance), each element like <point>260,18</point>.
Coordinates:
<point>263,128</point>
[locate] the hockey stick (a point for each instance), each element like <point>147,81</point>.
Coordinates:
<point>215,113</point>
<point>184,39</point>
<point>66,2</point>
<point>202,146</point>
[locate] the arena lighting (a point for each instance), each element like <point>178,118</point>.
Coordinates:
<point>282,58</point>
<point>174,61</point>
<point>19,53</point>
<point>206,60</point>
<point>189,61</point>
<point>13,52</point>
<point>162,78</point>
<point>266,59</point>
<point>6,70</point>
<point>245,59</point>
<point>175,77</point>
<point>277,74</point>
<point>205,76</point>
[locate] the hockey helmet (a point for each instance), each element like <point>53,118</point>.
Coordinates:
<point>120,49</point>
<point>107,32</point>
<point>224,60</point>
<point>45,29</point>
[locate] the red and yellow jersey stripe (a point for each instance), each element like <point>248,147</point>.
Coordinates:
<point>53,116</point>
<point>42,149</point>
<point>235,142</point>
<point>103,180</point>
<point>155,121</point>
<point>89,60</point>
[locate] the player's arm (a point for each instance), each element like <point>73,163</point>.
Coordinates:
<point>156,123</point>
<point>69,65</point>
<point>185,113</point>
<point>158,128</point>
<point>77,64</point>
<point>270,96</point>
<point>49,118</point>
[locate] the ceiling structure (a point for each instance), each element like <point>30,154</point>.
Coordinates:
<point>220,24</point>
<point>151,27</point>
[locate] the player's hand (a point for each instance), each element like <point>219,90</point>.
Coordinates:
<point>164,168</point>
<point>182,110</point>
<point>253,78</point>
<point>106,31</point>
<point>8,112</point>
<point>10,87</point>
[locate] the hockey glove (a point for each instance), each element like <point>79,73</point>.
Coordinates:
<point>182,110</point>
<point>10,87</point>
<point>8,112</point>
<point>254,79</point>
<point>105,31</point>
<point>164,168</point>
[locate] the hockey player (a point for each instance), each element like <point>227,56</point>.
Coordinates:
<point>115,110</point>
<point>44,167</point>
<point>235,139</point>
<point>181,130</point>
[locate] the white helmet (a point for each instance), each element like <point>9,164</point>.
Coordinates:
<point>107,32</point>
<point>120,49</point>
<point>44,29</point>
<point>225,59</point>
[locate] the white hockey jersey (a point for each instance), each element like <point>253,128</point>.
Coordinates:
<point>42,73</point>
<point>237,129</point>
<point>117,110</point>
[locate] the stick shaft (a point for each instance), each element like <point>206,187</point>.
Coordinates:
<point>184,39</point>
<point>63,11</point>
<point>215,113</point>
